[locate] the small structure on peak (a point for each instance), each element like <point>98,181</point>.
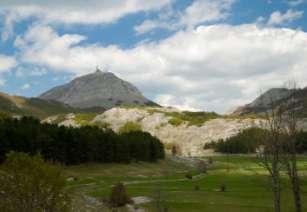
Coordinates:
<point>98,70</point>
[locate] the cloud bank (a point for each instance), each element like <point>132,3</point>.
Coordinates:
<point>213,67</point>
<point>78,12</point>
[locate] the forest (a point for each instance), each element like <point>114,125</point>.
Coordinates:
<point>249,140</point>
<point>71,146</point>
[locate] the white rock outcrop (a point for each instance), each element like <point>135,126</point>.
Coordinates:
<point>189,139</point>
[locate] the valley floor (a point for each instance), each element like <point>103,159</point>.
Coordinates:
<point>246,185</point>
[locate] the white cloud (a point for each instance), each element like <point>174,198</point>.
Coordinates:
<point>149,25</point>
<point>213,67</point>
<point>294,3</point>
<point>7,63</point>
<point>199,11</point>
<point>26,86</point>
<point>78,12</point>
<point>182,103</point>
<point>278,18</point>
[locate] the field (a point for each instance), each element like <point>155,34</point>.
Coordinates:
<point>246,185</point>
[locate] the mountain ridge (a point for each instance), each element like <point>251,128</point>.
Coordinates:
<point>273,98</point>
<point>19,105</point>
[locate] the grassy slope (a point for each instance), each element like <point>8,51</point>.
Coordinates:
<point>31,106</point>
<point>246,184</point>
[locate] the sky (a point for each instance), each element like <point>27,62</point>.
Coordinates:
<point>210,55</point>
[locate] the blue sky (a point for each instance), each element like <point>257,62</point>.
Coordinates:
<point>191,54</point>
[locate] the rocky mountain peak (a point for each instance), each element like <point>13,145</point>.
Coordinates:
<point>97,89</point>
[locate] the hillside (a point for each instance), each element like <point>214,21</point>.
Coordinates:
<point>17,105</point>
<point>187,131</point>
<point>276,97</point>
<point>98,89</point>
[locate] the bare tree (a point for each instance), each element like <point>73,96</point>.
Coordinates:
<point>271,154</point>
<point>291,120</point>
<point>279,150</point>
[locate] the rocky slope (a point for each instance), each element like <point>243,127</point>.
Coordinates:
<point>188,137</point>
<point>99,89</point>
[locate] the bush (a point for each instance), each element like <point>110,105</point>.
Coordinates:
<point>119,196</point>
<point>222,188</point>
<point>130,127</point>
<point>30,184</point>
<point>210,160</point>
<point>175,121</point>
<point>192,118</point>
<point>4,116</point>
<point>189,175</point>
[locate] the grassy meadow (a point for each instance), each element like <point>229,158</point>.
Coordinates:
<point>247,185</point>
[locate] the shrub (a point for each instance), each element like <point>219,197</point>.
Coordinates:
<point>210,160</point>
<point>174,150</point>
<point>27,183</point>
<point>84,118</point>
<point>175,121</point>
<point>4,116</point>
<point>119,196</point>
<point>222,188</point>
<point>189,175</point>
<point>130,127</point>
<point>192,118</point>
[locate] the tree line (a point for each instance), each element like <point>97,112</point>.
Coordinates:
<point>250,140</point>
<point>72,146</point>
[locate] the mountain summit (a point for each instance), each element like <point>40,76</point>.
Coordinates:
<point>98,89</point>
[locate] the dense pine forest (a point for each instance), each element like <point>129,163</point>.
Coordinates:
<point>72,146</point>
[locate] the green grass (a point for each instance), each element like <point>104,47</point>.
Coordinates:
<point>84,119</point>
<point>246,182</point>
<point>130,126</point>
<point>191,118</point>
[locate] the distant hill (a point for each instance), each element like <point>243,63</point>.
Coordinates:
<point>275,97</point>
<point>17,105</point>
<point>99,89</point>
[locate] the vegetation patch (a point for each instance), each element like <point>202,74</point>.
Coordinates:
<point>84,119</point>
<point>130,126</point>
<point>191,118</point>
<point>175,121</point>
<point>30,184</point>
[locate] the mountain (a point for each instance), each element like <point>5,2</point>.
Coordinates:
<point>276,97</point>
<point>99,89</point>
<point>17,105</point>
